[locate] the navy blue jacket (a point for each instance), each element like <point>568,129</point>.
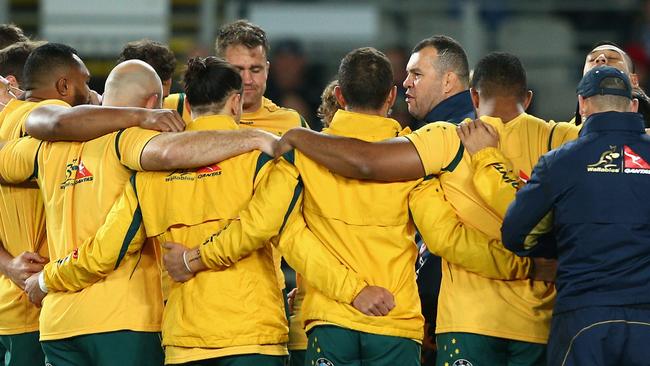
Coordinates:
<point>453,109</point>
<point>593,196</point>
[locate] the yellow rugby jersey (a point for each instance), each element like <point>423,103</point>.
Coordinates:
<point>458,244</point>
<point>374,240</point>
<point>562,132</point>
<point>272,118</point>
<point>494,178</point>
<point>179,103</point>
<point>22,228</point>
<point>79,183</point>
<point>518,310</point>
<point>269,117</point>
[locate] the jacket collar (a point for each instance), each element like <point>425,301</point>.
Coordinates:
<point>213,122</point>
<point>453,109</point>
<point>363,126</point>
<point>614,121</point>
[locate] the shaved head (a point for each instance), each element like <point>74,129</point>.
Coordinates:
<point>133,83</point>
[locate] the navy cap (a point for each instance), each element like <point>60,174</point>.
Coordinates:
<point>590,83</point>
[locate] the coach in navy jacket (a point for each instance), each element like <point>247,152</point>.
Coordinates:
<point>592,198</point>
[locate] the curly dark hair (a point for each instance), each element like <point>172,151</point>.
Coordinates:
<point>156,54</point>
<point>241,32</point>
<point>328,104</point>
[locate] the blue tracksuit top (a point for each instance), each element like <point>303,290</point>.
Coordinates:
<point>590,201</point>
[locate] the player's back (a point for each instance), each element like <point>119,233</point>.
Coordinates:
<point>366,225</point>
<point>519,309</point>
<point>79,183</point>
<point>190,206</point>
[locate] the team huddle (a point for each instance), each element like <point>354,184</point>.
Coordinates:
<point>140,227</point>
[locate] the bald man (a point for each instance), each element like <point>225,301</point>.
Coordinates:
<point>79,182</point>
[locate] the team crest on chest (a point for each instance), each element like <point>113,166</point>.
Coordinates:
<point>76,172</point>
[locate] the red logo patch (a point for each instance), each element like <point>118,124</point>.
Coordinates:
<point>75,254</point>
<point>208,169</point>
<point>82,171</point>
<point>523,176</point>
<point>633,160</point>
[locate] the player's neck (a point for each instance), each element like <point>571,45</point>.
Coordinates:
<point>37,95</point>
<point>254,107</point>
<point>504,108</point>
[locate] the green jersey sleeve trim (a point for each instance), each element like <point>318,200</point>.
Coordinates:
<point>133,228</point>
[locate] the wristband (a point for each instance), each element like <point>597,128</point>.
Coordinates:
<point>187,265</point>
<point>41,282</point>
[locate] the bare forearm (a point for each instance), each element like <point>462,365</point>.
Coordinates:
<point>194,149</point>
<point>391,160</point>
<point>81,123</point>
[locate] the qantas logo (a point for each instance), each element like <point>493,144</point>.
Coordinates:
<point>633,163</point>
<point>76,172</point>
<point>192,175</point>
<point>208,171</point>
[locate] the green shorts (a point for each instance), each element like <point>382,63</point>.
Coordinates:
<point>122,348</point>
<point>21,350</point>
<point>240,360</point>
<point>467,349</point>
<point>331,345</point>
<point>297,358</point>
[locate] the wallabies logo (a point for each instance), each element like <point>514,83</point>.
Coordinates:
<point>608,162</point>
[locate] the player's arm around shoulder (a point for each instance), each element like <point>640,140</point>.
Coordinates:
<point>459,244</point>
<point>492,173</point>
<point>530,216</point>
<point>275,192</point>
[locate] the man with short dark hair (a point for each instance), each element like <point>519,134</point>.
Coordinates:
<point>437,81</point>
<point>336,334</point>
<point>10,34</point>
<point>156,54</point>
<point>591,197</point>
<point>245,46</point>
